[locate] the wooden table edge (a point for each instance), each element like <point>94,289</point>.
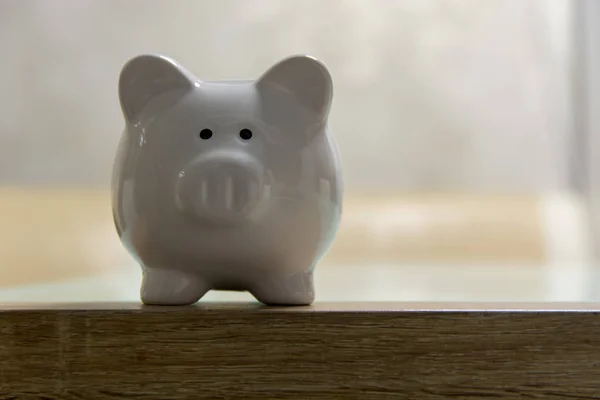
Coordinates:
<point>322,307</point>
<point>354,350</point>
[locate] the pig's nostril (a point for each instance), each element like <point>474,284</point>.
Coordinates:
<point>204,191</point>
<point>229,193</point>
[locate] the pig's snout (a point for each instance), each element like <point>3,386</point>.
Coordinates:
<point>222,188</point>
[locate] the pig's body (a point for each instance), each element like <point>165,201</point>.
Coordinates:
<point>224,210</point>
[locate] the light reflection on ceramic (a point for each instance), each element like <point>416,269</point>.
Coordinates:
<point>231,185</point>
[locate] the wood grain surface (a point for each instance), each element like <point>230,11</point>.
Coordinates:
<point>328,351</point>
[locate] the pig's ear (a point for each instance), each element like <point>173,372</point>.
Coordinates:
<point>149,83</point>
<point>303,77</point>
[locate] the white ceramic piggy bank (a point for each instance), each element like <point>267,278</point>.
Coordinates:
<point>228,185</point>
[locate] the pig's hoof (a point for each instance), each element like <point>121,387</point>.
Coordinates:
<point>169,287</point>
<point>289,290</point>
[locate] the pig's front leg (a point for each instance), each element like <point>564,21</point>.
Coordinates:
<point>285,290</point>
<point>171,287</point>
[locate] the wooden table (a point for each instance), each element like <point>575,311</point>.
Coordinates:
<point>327,351</point>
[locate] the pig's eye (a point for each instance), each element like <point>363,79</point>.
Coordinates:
<point>246,134</point>
<point>205,134</point>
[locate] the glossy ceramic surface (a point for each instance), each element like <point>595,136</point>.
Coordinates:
<point>230,185</point>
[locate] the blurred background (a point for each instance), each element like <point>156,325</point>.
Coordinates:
<point>468,132</point>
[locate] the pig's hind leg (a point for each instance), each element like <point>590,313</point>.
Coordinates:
<point>171,287</point>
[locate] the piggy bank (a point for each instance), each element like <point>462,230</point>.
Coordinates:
<point>226,185</point>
